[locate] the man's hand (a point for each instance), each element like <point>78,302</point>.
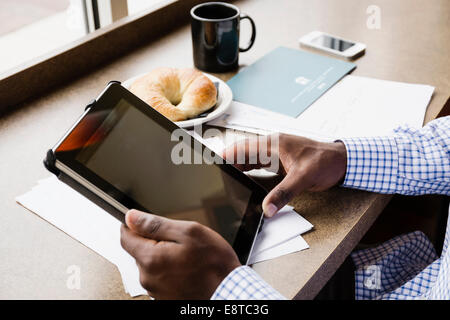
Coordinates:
<point>177,259</point>
<point>308,165</point>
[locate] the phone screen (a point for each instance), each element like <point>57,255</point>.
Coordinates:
<point>332,43</point>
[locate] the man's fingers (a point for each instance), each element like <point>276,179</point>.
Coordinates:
<point>153,227</point>
<point>245,154</point>
<point>134,244</point>
<point>292,185</point>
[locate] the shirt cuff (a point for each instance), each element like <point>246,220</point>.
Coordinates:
<point>243,283</point>
<point>372,164</point>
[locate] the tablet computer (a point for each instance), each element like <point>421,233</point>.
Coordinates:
<point>122,154</point>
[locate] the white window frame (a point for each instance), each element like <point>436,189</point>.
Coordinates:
<point>100,13</point>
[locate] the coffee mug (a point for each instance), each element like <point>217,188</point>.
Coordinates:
<point>215,36</point>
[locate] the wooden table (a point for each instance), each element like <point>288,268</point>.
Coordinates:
<point>411,46</point>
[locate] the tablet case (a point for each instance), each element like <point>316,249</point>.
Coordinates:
<point>49,163</point>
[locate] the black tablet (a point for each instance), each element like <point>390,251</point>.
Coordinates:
<point>122,154</point>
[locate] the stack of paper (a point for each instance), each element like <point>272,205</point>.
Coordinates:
<point>355,106</point>
<point>247,118</point>
<point>280,235</point>
<point>86,222</point>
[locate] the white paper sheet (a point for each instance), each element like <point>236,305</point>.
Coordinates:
<point>287,220</point>
<point>360,106</point>
<point>244,117</point>
<point>69,211</point>
<point>355,106</point>
<point>287,247</point>
<point>84,221</point>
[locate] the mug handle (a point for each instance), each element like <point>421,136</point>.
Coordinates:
<point>252,39</point>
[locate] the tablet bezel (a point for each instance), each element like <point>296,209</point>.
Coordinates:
<point>110,97</point>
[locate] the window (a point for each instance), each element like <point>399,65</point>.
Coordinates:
<point>33,28</point>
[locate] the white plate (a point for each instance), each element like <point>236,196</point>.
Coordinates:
<point>223,101</point>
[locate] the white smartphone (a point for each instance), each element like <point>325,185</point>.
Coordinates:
<point>332,44</point>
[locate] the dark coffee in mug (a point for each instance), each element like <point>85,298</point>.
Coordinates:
<point>215,36</point>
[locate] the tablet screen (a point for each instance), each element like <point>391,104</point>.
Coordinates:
<point>136,155</point>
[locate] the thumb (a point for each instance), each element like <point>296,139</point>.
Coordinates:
<point>284,192</point>
<point>152,226</point>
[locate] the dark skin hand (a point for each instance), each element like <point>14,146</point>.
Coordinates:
<point>186,260</point>
<point>177,259</point>
<point>307,165</point>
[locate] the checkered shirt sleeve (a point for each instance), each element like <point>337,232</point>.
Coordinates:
<point>401,268</point>
<point>243,283</point>
<point>441,290</point>
<point>411,162</point>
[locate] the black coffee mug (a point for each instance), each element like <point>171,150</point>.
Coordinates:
<point>215,36</point>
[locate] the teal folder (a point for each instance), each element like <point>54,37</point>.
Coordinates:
<point>287,80</point>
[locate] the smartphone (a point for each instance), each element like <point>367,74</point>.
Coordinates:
<point>333,45</point>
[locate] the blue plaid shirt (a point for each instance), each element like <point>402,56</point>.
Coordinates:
<point>411,162</point>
